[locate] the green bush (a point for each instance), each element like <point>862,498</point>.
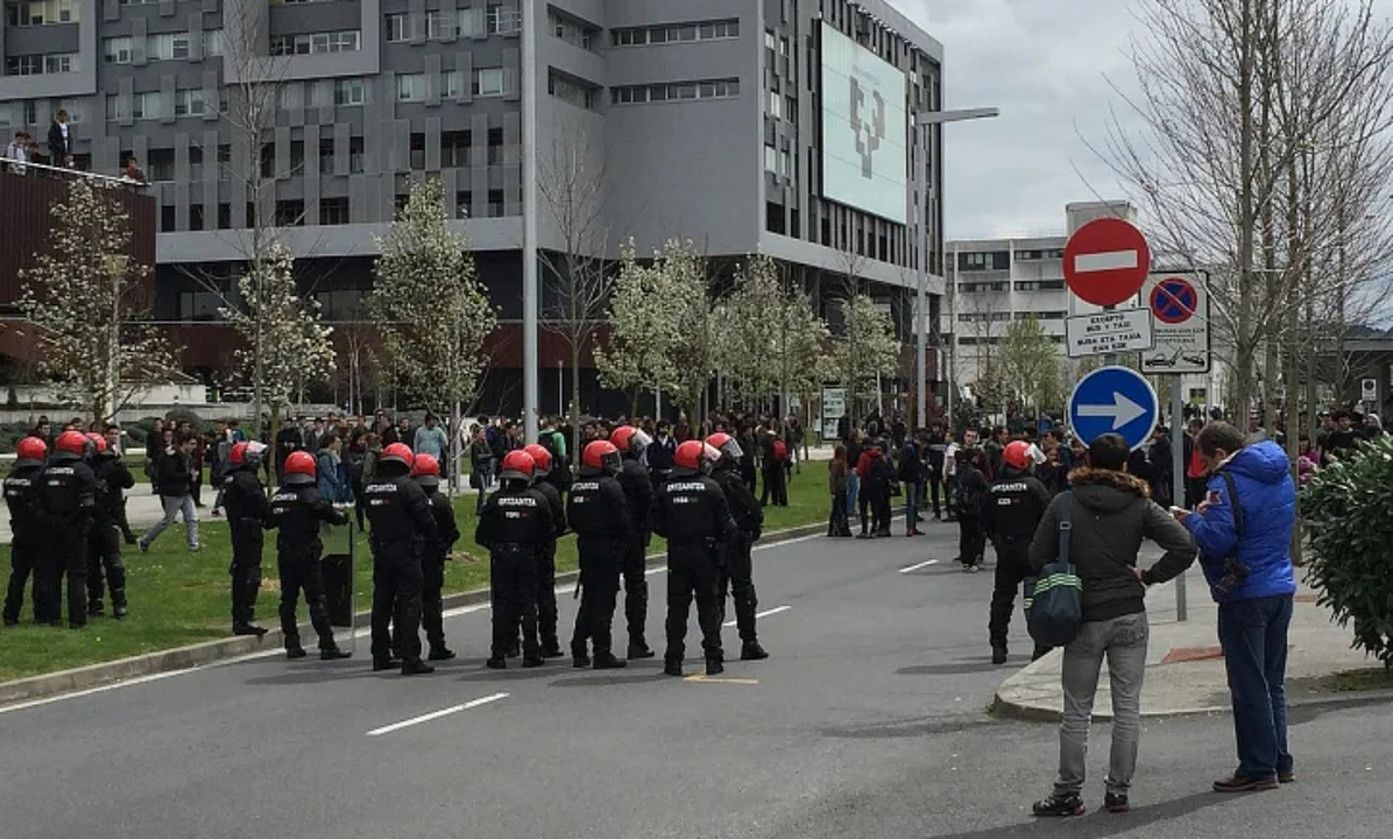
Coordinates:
<point>1348,511</point>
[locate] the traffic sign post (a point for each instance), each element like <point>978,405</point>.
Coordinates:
<point>1106,261</point>
<point>1117,400</point>
<point>1179,305</point>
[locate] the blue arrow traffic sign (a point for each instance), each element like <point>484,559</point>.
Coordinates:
<point>1114,399</point>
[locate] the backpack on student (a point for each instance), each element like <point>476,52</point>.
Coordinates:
<point>780,449</point>
<point>967,500</point>
<point>1054,605</point>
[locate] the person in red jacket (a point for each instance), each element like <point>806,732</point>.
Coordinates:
<point>863,473</point>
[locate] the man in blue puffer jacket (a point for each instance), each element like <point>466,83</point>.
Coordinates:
<point>1243,529</point>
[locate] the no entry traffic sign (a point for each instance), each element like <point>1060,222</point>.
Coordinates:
<point>1106,261</point>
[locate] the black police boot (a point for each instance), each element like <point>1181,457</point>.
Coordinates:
<point>579,657</point>
<point>498,662</point>
<point>440,653</point>
<point>998,652</point>
<point>714,667</point>
<point>381,664</point>
<point>416,668</point>
<point>333,654</point>
<point>752,651</point>
<point>294,651</point>
<point>551,648</point>
<point>248,629</point>
<point>95,608</point>
<point>638,648</point>
<point>672,666</point>
<point>119,607</point>
<point>514,651</point>
<point>534,660</point>
<point>606,661</point>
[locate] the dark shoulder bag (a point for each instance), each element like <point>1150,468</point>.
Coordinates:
<point>1054,611</point>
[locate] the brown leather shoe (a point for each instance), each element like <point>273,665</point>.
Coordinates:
<point>1242,783</point>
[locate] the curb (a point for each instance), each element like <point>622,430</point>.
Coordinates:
<point>1003,706</point>
<point>222,649</point>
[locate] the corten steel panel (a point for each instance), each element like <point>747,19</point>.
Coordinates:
<point>25,219</point>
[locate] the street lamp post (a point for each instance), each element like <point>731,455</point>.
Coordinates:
<point>929,118</point>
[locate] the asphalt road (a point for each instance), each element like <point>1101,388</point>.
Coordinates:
<point>868,721</point>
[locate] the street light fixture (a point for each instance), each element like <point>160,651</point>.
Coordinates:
<point>928,118</point>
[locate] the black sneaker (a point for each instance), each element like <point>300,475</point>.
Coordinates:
<point>579,659</point>
<point>498,662</point>
<point>672,667</point>
<point>552,650</point>
<point>440,654</point>
<point>380,664</point>
<point>416,668</point>
<point>535,660</point>
<point>714,667</point>
<point>334,654</point>
<point>1059,805</point>
<point>639,649</point>
<point>1115,802</point>
<point>752,651</point>
<point>292,653</point>
<point>248,629</point>
<point>998,653</point>
<point>607,661</point>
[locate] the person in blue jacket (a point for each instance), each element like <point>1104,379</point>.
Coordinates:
<point>1243,529</point>
<point>335,484</point>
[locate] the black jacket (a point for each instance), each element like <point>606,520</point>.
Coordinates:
<point>558,509</point>
<point>1111,513</point>
<point>1014,505</point>
<point>173,473</point>
<point>112,477</point>
<point>58,148</point>
<point>749,516</point>
<point>638,492</point>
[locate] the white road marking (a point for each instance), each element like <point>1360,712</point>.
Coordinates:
<point>792,541</point>
<point>1105,261</point>
<point>764,614</point>
<point>435,715</point>
<point>924,564</point>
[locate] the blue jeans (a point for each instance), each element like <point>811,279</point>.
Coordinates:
<point>853,489</point>
<point>911,504</point>
<point>1253,634</point>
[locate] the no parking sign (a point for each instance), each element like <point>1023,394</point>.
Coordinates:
<point>1179,303</point>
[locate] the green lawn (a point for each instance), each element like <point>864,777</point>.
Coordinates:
<point>178,598</point>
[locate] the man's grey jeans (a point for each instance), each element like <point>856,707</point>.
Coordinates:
<point>175,505</point>
<point>1123,641</point>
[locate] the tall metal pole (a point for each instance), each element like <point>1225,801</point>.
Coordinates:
<point>1178,481</point>
<point>530,300</point>
<point>921,374</point>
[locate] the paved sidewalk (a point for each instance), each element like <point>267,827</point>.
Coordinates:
<point>1184,668</point>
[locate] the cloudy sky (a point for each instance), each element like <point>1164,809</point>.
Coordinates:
<point>1057,70</point>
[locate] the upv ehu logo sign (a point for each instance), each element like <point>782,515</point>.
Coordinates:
<point>869,140</point>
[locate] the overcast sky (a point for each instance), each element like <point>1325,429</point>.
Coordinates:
<point>1051,68</point>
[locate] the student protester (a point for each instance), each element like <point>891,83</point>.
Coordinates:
<point>1110,512</point>
<point>174,476</point>
<point>838,474</point>
<point>1250,576</point>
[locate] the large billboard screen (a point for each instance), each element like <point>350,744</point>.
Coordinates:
<point>864,128</point>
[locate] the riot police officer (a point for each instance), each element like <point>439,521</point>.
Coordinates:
<point>546,554</point>
<point>513,526</point>
<point>27,542</point>
<point>638,490</point>
<point>297,508</point>
<point>63,505</point>
<point>737,571</point>
<point>244,498</point>
<point>691,513</point>
<point>402,525</point>
<point>425,470</point>
<point>598,512</point>
<point>104,541</point>
<point>1014,505</point>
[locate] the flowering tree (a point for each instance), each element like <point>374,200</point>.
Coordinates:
<point>692,356</point>
<point>769,337</point>
<point>636,352</point>
<point>867,350</point>
<point>433,312</point>
<point>87,298</point>
<point>286,344</point>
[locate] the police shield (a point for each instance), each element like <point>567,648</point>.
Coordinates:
<point>338,589</point>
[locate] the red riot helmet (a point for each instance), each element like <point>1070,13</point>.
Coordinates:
<point>426,470</point>
<point>517,465</point>
<point>601,455</point>
<point>72,442</point>
<point>399,453</point>
<point>728,447</point>
<point>541,457</point>
<point>300,469</point>
<point>31,451</point>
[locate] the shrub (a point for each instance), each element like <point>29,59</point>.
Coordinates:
<point>1348,511</point>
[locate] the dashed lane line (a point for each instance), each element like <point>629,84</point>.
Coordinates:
<point>435,715</point>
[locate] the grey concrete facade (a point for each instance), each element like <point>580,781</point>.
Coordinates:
<point>436,86</point>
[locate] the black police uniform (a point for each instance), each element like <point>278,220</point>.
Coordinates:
<point>737,571</point>
<point>1014,505</point>
<point>402,525</point>
<point>546,570</point>
<point>244,498</point>
<point>63,505</point>
<point>433,572</point>
<point>104,541</point>
<point>598,512</point>
<point>638,492</point>
<point>514,524</point>
<point>28,543</point>
<point>692,514</point>
<point>296,512</point>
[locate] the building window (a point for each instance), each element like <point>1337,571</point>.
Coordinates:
<point>349,92</point>
<point>212,43</point>
<point>411,87</point>
<point>297,156</point>
<point>451,84</point>
<point>437,24</point>
<point>465,201</point>
<point>454,149</point>
<point>495,156</point>
<point>41,12</point>
<point>674,91</point>
<point>200,305</point>
<point>464,23</point>
<point>776,105</point>
<point>224,216</point>
<point>341,304</point>
<point>196,165</point>
<point>567,89</point>
<point>333,211</point>
<point>495,207</point>
<point>167,46</point>
<point>675,33</point>
<point>418,151</point>
<point>195,216</point>
<point>355,155</point>
<point>771,159</point>
<point>191,102</point>
<point>290,213</point>
<point>573,31</point>
<point>316,43</point>
<point>398,28</point>
<point>488,81</point>
<point>41,65</point>
<point>326,157</point>
<point>159,164</point>
<point>116,50</point>
<point>500,21</point>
